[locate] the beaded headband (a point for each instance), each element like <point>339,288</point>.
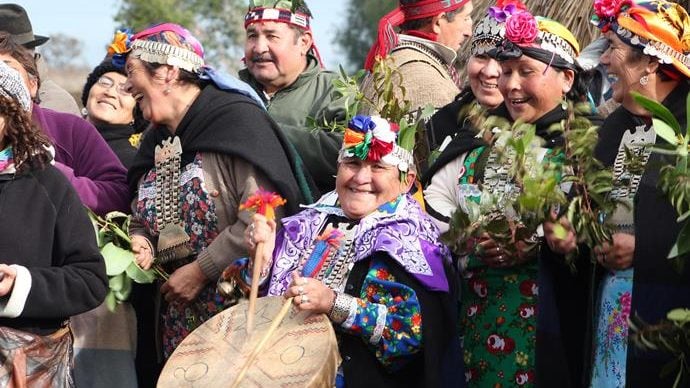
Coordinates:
<point>491,29</point>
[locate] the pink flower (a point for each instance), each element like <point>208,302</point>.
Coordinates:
<point>625,301</point>
<point>606,8</point>
<point>521,28</point>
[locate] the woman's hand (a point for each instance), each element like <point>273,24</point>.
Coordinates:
<point>184,285</point>
<point>618,254</point>
<point>142,251</point>
<point>491,253</point>
<point>7,276</point>
<point>261,230</point>
<point>557,243</point>
<point>310,294</point>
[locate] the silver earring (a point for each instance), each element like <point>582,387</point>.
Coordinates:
<point>166,91</point>
<point>644,80</point>
<point>84,112</point>
<point>564,103</point>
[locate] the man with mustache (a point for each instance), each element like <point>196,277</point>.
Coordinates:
<point>284,67</point>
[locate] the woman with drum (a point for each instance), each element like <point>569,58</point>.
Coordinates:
<point>368,257</point>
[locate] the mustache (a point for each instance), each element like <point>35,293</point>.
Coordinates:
<point>261,58</point>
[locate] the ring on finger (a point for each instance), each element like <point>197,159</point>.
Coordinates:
<point>300,290</point>
<point>304,299</point>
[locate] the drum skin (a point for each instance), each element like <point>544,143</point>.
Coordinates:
<point>302,352</point>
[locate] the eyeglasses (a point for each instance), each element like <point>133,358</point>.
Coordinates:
<point>107,83</point>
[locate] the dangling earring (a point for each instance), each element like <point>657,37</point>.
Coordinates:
<point>84,112</point>
<point>564,103</point>
<point>644,80</point>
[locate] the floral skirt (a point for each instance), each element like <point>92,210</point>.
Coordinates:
<point>178,322</point>
<point>498,322</point>
<point>611,335</point>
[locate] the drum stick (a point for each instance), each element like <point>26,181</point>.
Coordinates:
<point>254,292</point>
<point>252,356</point>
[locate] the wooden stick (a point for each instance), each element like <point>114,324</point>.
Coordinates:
<point>252,356</point>
<point>254,292</point>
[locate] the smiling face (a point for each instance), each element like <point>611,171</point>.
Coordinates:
<point>109,102</point>
<point>149,90</point>
<point>453,33</point>
<point>274,54</point>
<point>624,69</point>
<point>528,91</point>
<point>483,73</point>
<point>363,186</point>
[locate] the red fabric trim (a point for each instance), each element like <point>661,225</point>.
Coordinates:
<point>387,38</point>
<point>423,34</point>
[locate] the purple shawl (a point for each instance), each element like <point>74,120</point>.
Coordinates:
<point>401,230</point>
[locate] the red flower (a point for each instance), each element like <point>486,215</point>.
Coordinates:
<point>529,288</point>
<point>396,325</point>
<point>473,310</point>
<point>517,3</point>
<point>382,273</point>
<point>521,28</point>
<point>378,149</point>
<point>480,287</point>
<point>416,319</point>
<point>523,377</point>
<point>526,310</point>
<point>497,344</point>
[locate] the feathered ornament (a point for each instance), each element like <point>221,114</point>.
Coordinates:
<point>263,202</point>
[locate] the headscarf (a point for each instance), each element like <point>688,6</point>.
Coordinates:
<point>490,31</point>
<point>387,39</point>
<point>281,11</point>
<point>374,139</point>
<point>171,44</point>
<point>660,28</point>
<point>539,38</point>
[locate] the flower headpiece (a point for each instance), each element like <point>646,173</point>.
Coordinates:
<point>540,38</point>
<point>167,44</point>
<point>12,86</point>
<point>386,36</point>
<point>490,30</point>
<point>660,28</point>
<point>373,138</point>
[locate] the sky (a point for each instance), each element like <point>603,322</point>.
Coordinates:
<point>91,21</point>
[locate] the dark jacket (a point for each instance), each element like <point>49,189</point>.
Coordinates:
<point>312,95</point>
<point>46,231</point>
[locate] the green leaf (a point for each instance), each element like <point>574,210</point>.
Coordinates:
<point>559,231</point>
<point>139,275</point>
<point>657,110</point>
<point>679,315</point>
<point>116,259</point>
<point>665,131</point>
<point>111,301</point>
<point>115,283</point>
<point>122,295</point>
<point>682,245</point>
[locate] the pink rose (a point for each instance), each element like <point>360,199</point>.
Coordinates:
<point>605,8</point>
<point>521,28</point>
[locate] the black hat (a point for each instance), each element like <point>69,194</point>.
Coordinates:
<point>13,19</point>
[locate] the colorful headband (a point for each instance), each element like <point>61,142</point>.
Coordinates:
<point>277,15</point>
<point>536,36</point>
<point>167,44</point>
<point>373,138</point>
<point>490,30</point>
<point>387,38</point>
<point>12,86</point>
<point>660,28</point>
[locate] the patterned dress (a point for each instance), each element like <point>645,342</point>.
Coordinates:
<point>198,215</point>
<point>498,314</point>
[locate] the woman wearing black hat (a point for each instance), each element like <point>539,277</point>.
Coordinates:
<point>112,110</point>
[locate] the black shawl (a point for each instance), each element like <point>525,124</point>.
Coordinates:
<point>117,136</point>
<point>232,124</point>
